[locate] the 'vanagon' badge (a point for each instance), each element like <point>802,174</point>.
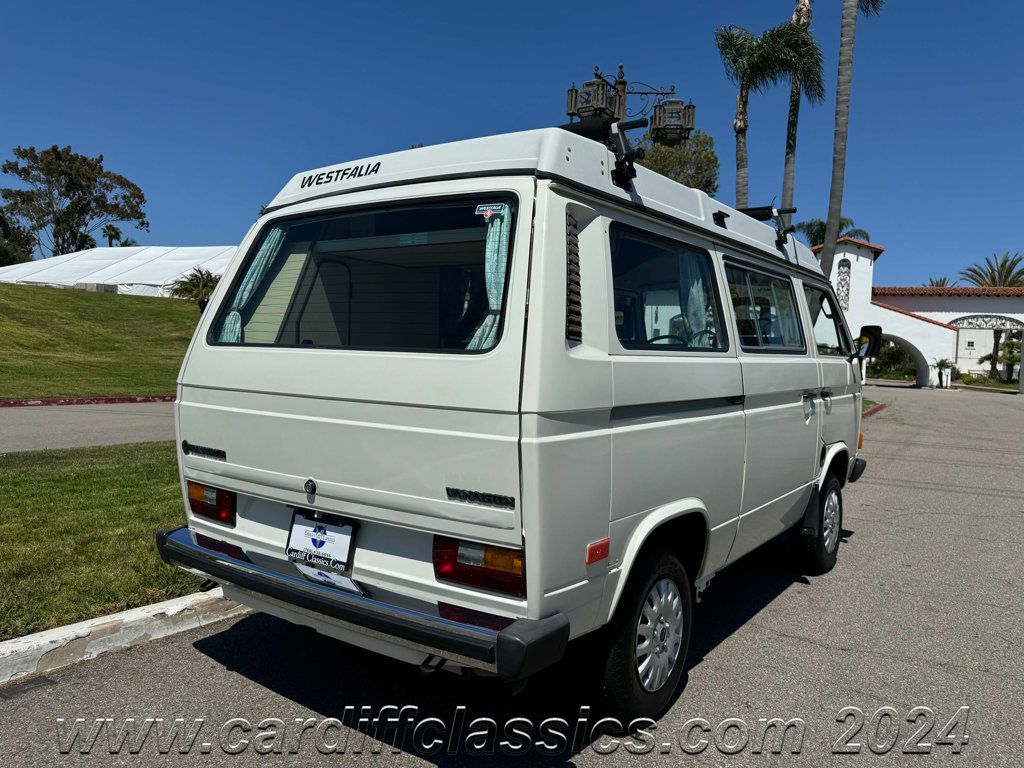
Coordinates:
<point>477,497</point>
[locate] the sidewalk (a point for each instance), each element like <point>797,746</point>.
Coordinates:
<point>32,428</point>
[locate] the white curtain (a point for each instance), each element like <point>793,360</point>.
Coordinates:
<point>499,225</point>
<point>231,331</point>
<point>692,297</point>
<point>697,315</point>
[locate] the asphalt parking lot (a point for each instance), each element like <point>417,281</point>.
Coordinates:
<point>39,427</point>
<point>923,610</point>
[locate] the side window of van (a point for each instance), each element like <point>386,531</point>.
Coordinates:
<point>765,307</point>
<point>829,335</point>
<point>665,294</point>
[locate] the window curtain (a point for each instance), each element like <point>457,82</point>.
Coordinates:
<point>231,330</point>
<point>692,299</point>
<point>499,225</point>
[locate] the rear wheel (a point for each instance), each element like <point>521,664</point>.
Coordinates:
<point>822,550</point>
<point>648,638</point>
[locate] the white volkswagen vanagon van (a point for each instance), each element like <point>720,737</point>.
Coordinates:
<point>463,404</point>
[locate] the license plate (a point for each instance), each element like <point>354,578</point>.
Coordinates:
<point>321,544</point>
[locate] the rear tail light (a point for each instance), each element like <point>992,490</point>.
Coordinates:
<point>231,550</point>
<point>479,565</point>
<point>476,618</point>
<point>212,503</point>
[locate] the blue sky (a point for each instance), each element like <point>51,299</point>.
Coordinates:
<point>210,107</point>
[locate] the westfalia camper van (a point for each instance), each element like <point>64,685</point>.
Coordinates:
<point>461,405</point>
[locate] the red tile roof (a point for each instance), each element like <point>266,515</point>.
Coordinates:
<point>913,315</point>
<point>876,248</point>
<point>941,290</point>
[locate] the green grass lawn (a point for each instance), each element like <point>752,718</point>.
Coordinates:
<point>865,404</point>
<point>77,533</point>
<point>63,343</point>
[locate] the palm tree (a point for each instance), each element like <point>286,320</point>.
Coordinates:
<point>813,230</point>
<point>112,233</point>
<point>805,79</point>
<point>939,282</point>
<point>197,285</point>
<point>996,272</point>
<point>752,63</point>
<point>848,31</point>
<point>128,241</point>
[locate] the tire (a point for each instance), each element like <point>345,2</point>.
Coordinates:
<point>628,695</point>
<point>821,551</point>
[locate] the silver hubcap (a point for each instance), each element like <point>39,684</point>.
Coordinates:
<point>832,521</point>
<point>659,634</point>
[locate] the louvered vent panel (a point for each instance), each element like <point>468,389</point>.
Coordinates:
<point>573,301</point>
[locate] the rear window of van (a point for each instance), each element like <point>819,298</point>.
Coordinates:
<point>428,276</point>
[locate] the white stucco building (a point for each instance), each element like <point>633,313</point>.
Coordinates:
<point>931,323</point>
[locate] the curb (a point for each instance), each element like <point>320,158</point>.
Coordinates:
<point>999,390</point>
<point>54,648</point>
<point>872,410</point>
<point>18,403</point>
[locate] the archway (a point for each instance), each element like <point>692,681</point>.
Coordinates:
<point>1001,328</point>
<point>923,370</point>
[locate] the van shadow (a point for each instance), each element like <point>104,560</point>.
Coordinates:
<point>326,676</point>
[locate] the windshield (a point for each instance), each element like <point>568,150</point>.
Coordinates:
<point>419,277</point>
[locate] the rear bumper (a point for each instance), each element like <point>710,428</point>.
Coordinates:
<point>524,647</point>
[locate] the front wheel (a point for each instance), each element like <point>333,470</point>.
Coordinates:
<point>822,550</point>
<point>649,638</point>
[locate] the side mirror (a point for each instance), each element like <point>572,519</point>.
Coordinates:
<point>869,342</point>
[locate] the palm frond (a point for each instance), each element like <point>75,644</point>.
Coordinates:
<point>197,285</point>
<point>856,233</point>
<point>870,7</point>
<point>796,51</point>
<point>751,61</point>
<point>734,46</point>
<point>996,272</point>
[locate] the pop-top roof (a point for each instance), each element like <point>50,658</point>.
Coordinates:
<point>548,153</point>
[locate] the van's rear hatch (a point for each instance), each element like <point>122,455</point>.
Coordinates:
<point>376,350</point>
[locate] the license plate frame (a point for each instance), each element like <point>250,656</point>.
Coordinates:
<point>337,534</point>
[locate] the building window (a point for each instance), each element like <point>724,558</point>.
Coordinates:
<point>970,344</point>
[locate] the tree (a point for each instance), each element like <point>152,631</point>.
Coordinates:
<point>941,365</point>
<point>996,272</point>
<point>128,241</point>
<point>197,285</point>
<point>693,163</point>
<point>813,231</point>
<point>111,232</point>
<point>16,242</point>
<point>939,282</point>
<point>67,197</point>
<point>805,80</point>
<point>1009,354</point>
<point>847,33</point>
<point>752,63</point>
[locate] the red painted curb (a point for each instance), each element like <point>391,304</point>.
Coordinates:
<point>17,403</point>
<point>872,410</point>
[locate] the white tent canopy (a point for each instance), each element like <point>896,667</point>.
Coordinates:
<point>141,271</point>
